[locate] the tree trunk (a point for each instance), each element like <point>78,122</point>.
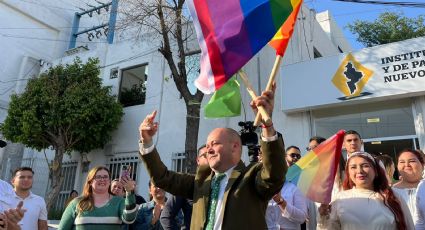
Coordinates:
<point>192,130</point>
<point>56,177</point>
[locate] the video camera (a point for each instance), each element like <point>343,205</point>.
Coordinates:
<point>250,139</point>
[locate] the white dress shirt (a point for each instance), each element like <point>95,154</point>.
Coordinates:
<point>219,210</point>
<point>420,206</point>
<point>295,212</point>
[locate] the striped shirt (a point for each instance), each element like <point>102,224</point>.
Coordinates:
<point>108,217</point>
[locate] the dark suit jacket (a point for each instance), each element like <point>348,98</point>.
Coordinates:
<point>247,192</point>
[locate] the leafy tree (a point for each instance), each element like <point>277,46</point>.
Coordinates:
<point>168,22</point>
<point>66,109</point>
<point>388,27</point>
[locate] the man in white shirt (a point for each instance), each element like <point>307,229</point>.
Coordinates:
<point>36,215</point>
<point>9,216</point>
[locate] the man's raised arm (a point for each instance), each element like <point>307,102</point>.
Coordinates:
<point>272,175</point>
<point>172,182</point>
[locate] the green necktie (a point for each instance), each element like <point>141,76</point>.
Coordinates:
<point>215,189</point>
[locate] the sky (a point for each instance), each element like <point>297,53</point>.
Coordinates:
<point>346,12</point>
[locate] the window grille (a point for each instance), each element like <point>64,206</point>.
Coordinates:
<point>178,162</point>
<point>114,164</point>
<point>69,170</point>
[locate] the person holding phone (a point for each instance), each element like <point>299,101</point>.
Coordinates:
<point>97,208</point>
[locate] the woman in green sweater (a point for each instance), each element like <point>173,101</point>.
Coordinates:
<point>97,209</point>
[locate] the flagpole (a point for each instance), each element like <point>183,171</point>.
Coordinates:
<point>251,92</point>
<point>270,84</point>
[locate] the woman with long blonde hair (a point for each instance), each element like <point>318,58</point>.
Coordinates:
<point>97,208</point>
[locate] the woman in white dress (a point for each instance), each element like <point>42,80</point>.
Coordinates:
<point>287,209</point>
<point>410,165</point>
<point>367,201</point>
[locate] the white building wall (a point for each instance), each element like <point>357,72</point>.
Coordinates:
<point>333,31</point>
<point>32,35</point>
<point>162,94</point>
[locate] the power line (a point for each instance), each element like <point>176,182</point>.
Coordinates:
<point>24,78</point>
<point>392,3</point>
<point>45,39</point>
<point>48,6</point>
<point>39,28</point>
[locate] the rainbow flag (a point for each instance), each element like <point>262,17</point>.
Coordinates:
<point>231,32</point>
<point>281,39</point>
<point>314,173</point>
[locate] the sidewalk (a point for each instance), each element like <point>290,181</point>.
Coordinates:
<point>53,224</point>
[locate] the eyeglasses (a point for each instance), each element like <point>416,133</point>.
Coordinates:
<point>99,177</point>
<point>294,155</point>
<point>310,148</point>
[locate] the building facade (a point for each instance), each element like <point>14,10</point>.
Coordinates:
<point>131,66</point>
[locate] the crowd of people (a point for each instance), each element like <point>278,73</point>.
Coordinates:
<point>224,193</point>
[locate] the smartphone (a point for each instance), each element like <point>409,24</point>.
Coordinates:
<point>125,171</point>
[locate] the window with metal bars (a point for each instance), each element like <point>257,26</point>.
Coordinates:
<point>114,164</point>
<point>69,170</point>
<point>178,162</point>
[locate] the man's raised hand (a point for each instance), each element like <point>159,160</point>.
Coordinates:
<point>266,99</point>
<point>148,128</point>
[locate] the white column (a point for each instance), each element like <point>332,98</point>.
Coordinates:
<point>418,107</point>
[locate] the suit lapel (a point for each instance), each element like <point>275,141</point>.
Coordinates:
<point>232,179</point>
<point>206,190</point>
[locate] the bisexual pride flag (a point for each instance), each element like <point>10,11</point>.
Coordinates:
<point>231,32</point>
<point>314,173</point>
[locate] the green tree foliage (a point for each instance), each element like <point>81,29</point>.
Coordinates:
<point>388,27</point>
<point>66,109</point>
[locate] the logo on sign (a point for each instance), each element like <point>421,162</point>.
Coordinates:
<point>351,77</point>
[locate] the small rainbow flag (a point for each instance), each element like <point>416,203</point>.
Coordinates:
<point>231,32</point>
<point>314,173</point>
<point>281,39</point>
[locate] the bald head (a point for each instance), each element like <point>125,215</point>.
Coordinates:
<point>233,135</point>
<point>224,149</point>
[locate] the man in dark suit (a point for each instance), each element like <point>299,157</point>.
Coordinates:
<point>226,194</point>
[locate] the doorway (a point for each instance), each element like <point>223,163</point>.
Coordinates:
<point>390,146</point>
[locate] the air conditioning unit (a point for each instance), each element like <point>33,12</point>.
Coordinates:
<point>76,50</point>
